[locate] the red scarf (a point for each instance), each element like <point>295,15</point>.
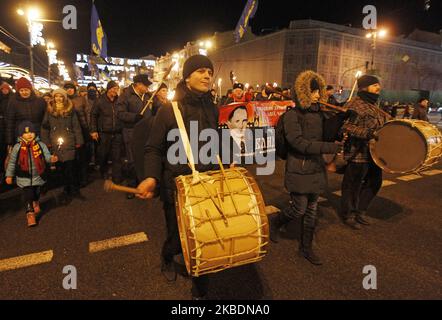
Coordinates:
<point>32,148</point>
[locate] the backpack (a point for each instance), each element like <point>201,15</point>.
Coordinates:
<point>282,148</point>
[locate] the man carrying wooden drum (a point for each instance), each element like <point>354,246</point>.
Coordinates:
<point>363,178</point>
<point>196,104</point>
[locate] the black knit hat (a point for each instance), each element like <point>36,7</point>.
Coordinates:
<point>69,85</point>
<point>111,84</point>
<point>367,80</point>
<point>91,84</point>
<point>194,63</point>
<point>25,127</point>
<point>238,86</point>
<point>142,78</point>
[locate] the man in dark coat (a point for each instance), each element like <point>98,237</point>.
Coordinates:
<point>24,105</point>
<point>80,106</point>
<point>129,106</point>
<point>196,104</point>
<point>106,130</point>
<point>5,94</point>
<point>421,110</point>
<point>362,178</point>
<point>143,128</point>
<point>305,175</point>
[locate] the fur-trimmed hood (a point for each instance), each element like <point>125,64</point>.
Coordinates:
<point>303,91</point>
<point>66,111</point>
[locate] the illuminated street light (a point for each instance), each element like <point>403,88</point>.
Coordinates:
<point>374,35</point>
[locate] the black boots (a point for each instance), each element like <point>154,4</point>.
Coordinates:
<point>306,248</point>
<point>361,218</point>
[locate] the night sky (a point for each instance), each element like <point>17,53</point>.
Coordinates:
<point>138,28</point>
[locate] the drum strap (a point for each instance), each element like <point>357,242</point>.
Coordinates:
<point>184,136</point>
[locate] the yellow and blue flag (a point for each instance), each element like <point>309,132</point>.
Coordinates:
<point>247,14</point>
<point>98,36</point>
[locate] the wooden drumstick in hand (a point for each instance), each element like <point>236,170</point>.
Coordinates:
<point>109,186</point>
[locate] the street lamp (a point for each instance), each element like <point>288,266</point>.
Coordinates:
<point>374,35</point>
<point>52,58</point>
<point>35,34</point>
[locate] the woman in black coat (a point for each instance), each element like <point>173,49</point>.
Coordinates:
<point>305,175</point>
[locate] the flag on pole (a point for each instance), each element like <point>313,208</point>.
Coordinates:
<point>247,14</point>
<point>98,36</point>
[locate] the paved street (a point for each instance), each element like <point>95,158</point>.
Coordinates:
<point>404,244</point>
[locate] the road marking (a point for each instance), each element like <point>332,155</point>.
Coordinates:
<point>387,183</point>
<point>26,261</point>
<point>410,177</point>
<point>432,172</point>
<point>271,210</point>
<point>117,242</point>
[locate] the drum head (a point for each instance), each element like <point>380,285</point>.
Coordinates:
<point>401,148</point>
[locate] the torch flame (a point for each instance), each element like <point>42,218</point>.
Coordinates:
<point>60,141</point>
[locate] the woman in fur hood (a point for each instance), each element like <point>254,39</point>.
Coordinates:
<point>61,131</point>
<point>305,175</point>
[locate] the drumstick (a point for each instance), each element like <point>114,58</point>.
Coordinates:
<point>223,176</point>
<point>221,242</point>
<point>109,186</point>
<point>222,208</point>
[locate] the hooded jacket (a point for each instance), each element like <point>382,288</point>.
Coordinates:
<point>62,124</point>
<point>305,167</point>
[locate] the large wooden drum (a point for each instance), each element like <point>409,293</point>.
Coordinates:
<point>407,146</point>
<point>222,221</point>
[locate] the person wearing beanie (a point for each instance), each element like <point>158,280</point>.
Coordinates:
<point>305,174</point>
<point>83,109</point>
<point>129,107</point>
<point>238,94</point>
<point>61,132</point>
<point>421,110</point>
<point>27,163</point>
<point>106,129</point>
<point>23,105</point>
<point>362,178</point>
<point>193,98</point>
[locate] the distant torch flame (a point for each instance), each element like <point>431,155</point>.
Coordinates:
<point>60,141</point>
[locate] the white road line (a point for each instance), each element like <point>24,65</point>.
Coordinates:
<point>410,177</point>
<point>432,172</point>
<point>117,242</point>
<point>26,261</point>
<point>387,183</point>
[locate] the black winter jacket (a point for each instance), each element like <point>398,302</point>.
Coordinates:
<point>104,116</point>
<point>4,100</point>
<point>129,106</point>
<point>305,169</point>
<point>193,108</point>
<point>32,109</point>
